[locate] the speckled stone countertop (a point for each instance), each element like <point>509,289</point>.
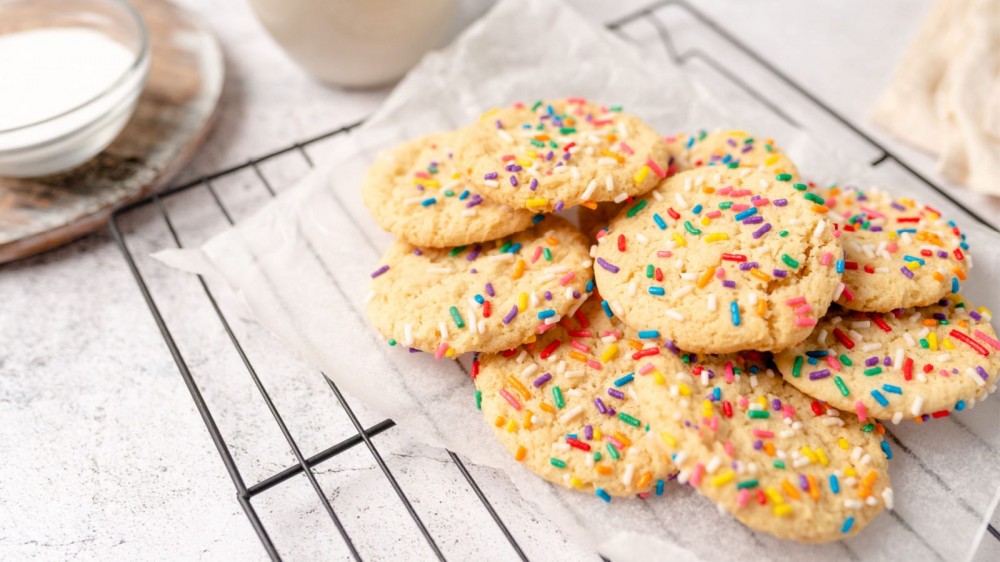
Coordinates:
<point>102,453</point>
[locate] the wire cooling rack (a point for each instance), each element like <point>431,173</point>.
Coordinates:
<point>657,17</point>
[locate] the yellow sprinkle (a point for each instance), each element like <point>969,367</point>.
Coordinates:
<point>763,276</point>
<point>641,175</point>
<point>519,270</point>
<point>932,341</point>
<point>736,133</point>
<point>716,236</point>
<point>531,154</point>
<point>523,163</point>
<point>808,453</point>
<point>449,352</point>
<point>774,496</point>
<point>598,435</point>
<point>609,353</point>
<point>822,457</point>
<point>489,112</point>
<point>522,302</point>
<point>526,422</point>
<point>536,202</point>
<point>658,378</point>
<point>521,453</point>
<point>685,389</point>
<point>426,182</point>
<point>705,221</point>
<point>843,444</point>
<point>946,343</point>
<point>782,510</point>
<point>762,401</point>
<point>912,265</point>
<point>511,426</point>
<point>771,160</point>
<point>575,482</point>
<point>668,439</point>
<point>456,175</point>
<point>723,478</point>
<point>706,409</point>
<point>849,471</point>
<point>892,235</point>
<point>678,239</point>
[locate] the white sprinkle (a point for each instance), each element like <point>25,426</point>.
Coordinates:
<point>616,308</point>
<point>657,196</point>
<point>887,498</point>
<point>621,197</point>
<point>443,330</point>
<point>680,201</point>
<point>839,291</point>
<point>820,226</point>
<point>521,357</point>
<point>605,161</point>
<point>944,358</point>
<point>821,338</point>
<point>505,135</point>
<point>712,303</point>
<point>501,257</point>
<point>917,406</point>
<point>575,172</point>
<point>491,183</point>
<point>591,187</point>
<point>639,237</point>
<point>861,324</point>
<point>570,414</point>
<point>713,465</point>
<point>975,376</point>
<point>469,212</point>
<point>408,335</point>
<point>471,319</point>
<point>630,290</point>
<point>686,289</point>
<point>897,417</point>
<point>629,473</point>
<point>909,339</point>
<point>871,346</point>
<point>369,296</point>
<point>529,370</point>
<point>673,314</point>
<point>897,361</point>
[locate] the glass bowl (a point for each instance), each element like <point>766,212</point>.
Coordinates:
<point>58,142</point>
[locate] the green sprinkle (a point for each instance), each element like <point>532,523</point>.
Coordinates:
<point>629,419</point>
<point>538,143</point>
<point>649,271</point>
<point>537,105</point>
<point>841,386</point>
<point>615,108</point>
<point>547,253</point>
<point>814,198</point>
<point>636,208</point>
<point>924,344</point>
<point>613,452</point>
<point>686,359</point>
<point>789,261</point>
<point>872,371</point>
<point>779,464</point>
<point>392,342</point>
<point>558,397</point>
<point>456,250</point>
<point>557,462</point>
<point>567,130</point>
<point>598,456</point>
<point>746,484</point>
<point>868,427</point>
<point>553,144</point>
<point>942,322</point>
<point>479,399</point>
<point>783,233</point>
<point>733,165</point>
<point>449,193</point>
<point>844,359</point>
<point>797,367</point>
<point>800,186</point>
<point>690,228</point>
<point>758,414</point>
<point>725,205</point>
<point>506,246</point>
<point>456,317</point>
<point>783,177</point>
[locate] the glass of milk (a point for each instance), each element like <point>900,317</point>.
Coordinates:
<point>71,72</point>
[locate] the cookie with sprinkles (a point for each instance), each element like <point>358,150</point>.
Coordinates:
<point>417,192</point>
<point>917,363</point>
<point>563,406</point>
<point>548,156</point>
<point>898,253</point>
<point>720,260</point>
<point>732,149</point>
<point>777,460</point>
<point>481,297</point>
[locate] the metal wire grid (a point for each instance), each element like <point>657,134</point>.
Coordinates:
<point>246,494</point>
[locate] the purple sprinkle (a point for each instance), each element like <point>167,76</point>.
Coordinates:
<point>565,156</point>
<point>875,228</point>
<point>756,219</point>
<point>420,187</point>
<point>897,206</point>
<point>871,361</point>
<point>758,444</point>
<point>588,432</point>
<point>729,283</point>
<point>473,271</point>
<point>418,252</point>
<point>673,348</point>
<point>711,373</point>
<point>474,253</point>
<point>954,371</point>
<point>600,406</point>
<point>942,254</point>
<point>746,149</point>
<point>608,266</point>
<point>776,405</point>
<point>780,273</point>
<point>616,393</point>
<point>542,380</point>
<point>748,265</point>
<point>534,184</point>
<point>804,482</point>
<point>489,290</point>
<point>510,315</point>
<point>549,156</point>
<point>731,142</point>
<point>548,295</point>
<point>576,294</point>
<point>816,375</point>
<point>887,362</point>
<point>906,271</point>
<point>380,271</point>
<point>560,205</point>
<point>975,315</point>
<point>491,176</point>
<point>982,372</point>
<point>513,168</point>
<point>513,180</point>
<point>780,202</point>
<point>413,350</point>
<point>762,231</point>
<point>939,316</point>
<point>611,411</point>
<point>473,201</point>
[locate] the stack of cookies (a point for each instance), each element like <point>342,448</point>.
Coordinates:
<point>721,324</point>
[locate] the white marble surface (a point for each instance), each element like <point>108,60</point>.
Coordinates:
<point>103,453</point>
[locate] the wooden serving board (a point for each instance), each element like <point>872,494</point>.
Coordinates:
<point>174,115</point>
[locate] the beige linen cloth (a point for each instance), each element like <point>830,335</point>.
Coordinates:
<point>945,96</point>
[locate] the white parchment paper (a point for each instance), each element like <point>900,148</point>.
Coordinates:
<point>302,264</point>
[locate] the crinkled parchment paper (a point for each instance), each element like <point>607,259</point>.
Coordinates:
<point>302,265</point>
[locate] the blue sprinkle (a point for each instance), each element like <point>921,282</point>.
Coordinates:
<point>607,309</point>
<point>659,221</point>
<point>696,209</point>
<point>603,495</point>
<point>954,284</point>
<point>745,214</point>
<point>658,291</point>
<point>813,361</point>
<point>479,299</point>
<point>886,449</point>
<point>515,248</point>
<point>659,487</point>
<point>960,405</point>
<point>964,245</point>
<point>880,398</point>
<point>464,195</point>
<point>906,230</point>
<point>537,219</point>
<point>546,314</point>
<point>649,334</point>
<point>840,266</point>
<point>848,523</point>
<point>892,388</point>
<point>428,202</point>
<point>734,313</point>
<point>590,285</point>
<point>818,353</point>
<point>717,393</point>
<point>914,258</point>
<point>625,380</point>
<point>834,484</point>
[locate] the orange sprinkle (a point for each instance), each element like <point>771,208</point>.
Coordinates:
<point>589,204</point>
<point>761,308</point>
<point>552,241</point>
<point>938,276</point>
<point>603,469</point>
<point>930,322</point>
<point>546,407</point>
<point>521,453</point>
<point>706,277</point>
<point>527,419</point>
<point>500,421</point>
<point>644,480</point>
<point>519,269</point>
<point>708,189</point>
<point>789,489</point>
<point>960,273</point>
<point>625,441</point>
<point>634,344</point>
<point>813,489</point>
<point>578,356</point>
<point>821,209</point>
<point>523,390</point>
<point>618,157</point>
<point>760,275</point>
<point>769,449</point>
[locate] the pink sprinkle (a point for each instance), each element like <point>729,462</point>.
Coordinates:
<point>725,190</point>
<point>892,247</point>
<point>763,433</point>
<point>848,294</point>
<point>645,495</point>
<point>795,301</point>
<point>826,259</point>
<point>739,207</point>
<point>729,372</point>
<point>761,202</point>
<point>862,412</point>
<point>538,254</point>
<point>836,233</point>
<point>601,234</point>
<point>656,168</point>
<point>872,212</point>
<point>646,369</point>
<point>720,273</point>
<point>567,278</point>
<point>614,441</point>
<point>788,410</point>
<point>510,399</point>
<point>713,424</point>
<point>594,364</point>
<point>664,253</point>
<point>833,362</point>
<point>626,148</point>
<point>441,350</point>
<point>580,346</point>
<point>944,373</point>
<point>714,214</point>
<point>543,327</point>
<point>803,321</point>
<point>986,338</point>
<point>742,497</point>
<point>729,444</point>
<point>744,401</point>
<point>740,193</point>
<point>606,333</point>
<point>804,309</point>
